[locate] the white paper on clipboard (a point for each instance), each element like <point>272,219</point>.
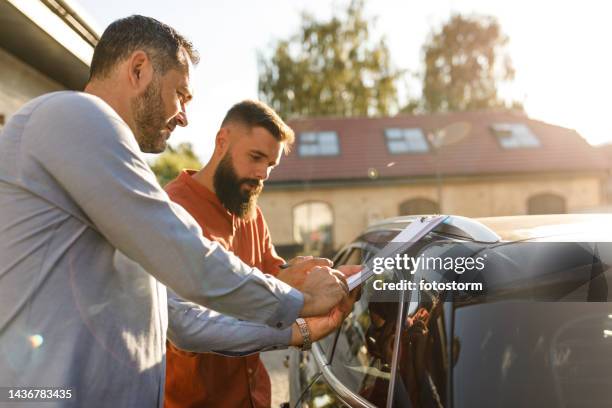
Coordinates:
<point>408,236</point>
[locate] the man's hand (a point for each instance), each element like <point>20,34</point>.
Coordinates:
<point>325,288</point>
<point>299,267</point>
<point>321,326</point>
<point>348,270</point>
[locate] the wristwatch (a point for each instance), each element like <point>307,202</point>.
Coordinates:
<point>305,332</point>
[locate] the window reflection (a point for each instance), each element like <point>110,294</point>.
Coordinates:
<point>423,360</point>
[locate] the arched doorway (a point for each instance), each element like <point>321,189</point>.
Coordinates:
<point>312,227</point>
<point>546,203</point>
<point>417,206</point>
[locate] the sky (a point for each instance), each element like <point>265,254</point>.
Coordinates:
<point>563,73</point>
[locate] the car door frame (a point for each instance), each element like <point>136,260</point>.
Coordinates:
<point>323,361</point>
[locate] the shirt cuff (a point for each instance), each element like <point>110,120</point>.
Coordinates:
<point>275,340</point>
<point>280,339</point>
<point>289,308</point>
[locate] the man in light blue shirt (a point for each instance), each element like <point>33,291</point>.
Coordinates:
<point>88,240</point>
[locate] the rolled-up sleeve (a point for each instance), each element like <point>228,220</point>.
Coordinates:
<point>198,329</point>
<point>92,154</point>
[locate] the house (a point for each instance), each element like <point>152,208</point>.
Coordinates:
<point>45,46</point>
<point>345,173</point>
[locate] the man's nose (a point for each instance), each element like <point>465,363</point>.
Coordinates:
<point>181,118</point>
<point>263,173</point>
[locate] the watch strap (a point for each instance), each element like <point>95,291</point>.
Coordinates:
<point>305,332</point>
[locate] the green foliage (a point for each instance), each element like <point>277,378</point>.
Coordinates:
<point>464,62</point>
<point>330,68</point>
<point>170,163</point>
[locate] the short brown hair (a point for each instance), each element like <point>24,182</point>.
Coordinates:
<point>162,43</point>
<point>255,113</point>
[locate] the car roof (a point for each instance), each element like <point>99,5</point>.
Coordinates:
<point>566,227</point>
<point>553,227</point>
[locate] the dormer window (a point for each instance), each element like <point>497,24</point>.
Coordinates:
<point>408,140</point>
<point>318,144</point>
<point>514,135</point>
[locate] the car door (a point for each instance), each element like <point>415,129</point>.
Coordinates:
<point>427,348</point>
<point>308,387</point>
<point>356,366</point>
<point>358,360</point>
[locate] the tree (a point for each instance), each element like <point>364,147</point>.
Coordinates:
<point>330,68</point>
<point>465,61</point>
<point>170,163</point>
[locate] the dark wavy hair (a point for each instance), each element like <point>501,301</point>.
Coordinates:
<point>162,43</point>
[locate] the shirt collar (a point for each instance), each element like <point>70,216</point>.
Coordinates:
<point>186,176</point>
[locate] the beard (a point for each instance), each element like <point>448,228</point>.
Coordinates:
<point>149,115</point>
<point>228,187</point>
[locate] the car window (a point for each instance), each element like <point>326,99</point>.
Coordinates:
<point>542,336</point>
<point>341,256</point>
<point>350,256</point>
<point>532,337</point>
<point>309,389</point>
<point>319,395</point>
<point>355,257</point>
<point>423,355</point>
<point>363,353</point>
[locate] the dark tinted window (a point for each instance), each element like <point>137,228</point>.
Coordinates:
<point>516,349</point>
<point>531,354</point>
<point>424,357</point>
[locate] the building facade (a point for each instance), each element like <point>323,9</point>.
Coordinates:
<point>45,46</point>
<point>344,174</point>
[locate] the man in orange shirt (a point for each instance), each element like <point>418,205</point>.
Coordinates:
<point>222,197</point>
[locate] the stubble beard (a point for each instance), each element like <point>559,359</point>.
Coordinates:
<point>149,119</point>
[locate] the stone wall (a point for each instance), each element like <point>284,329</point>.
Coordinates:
<point>356,207</point>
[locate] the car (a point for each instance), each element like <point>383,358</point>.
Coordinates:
<point>537,333</point>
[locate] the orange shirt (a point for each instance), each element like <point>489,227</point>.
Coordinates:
<point>206,379</point>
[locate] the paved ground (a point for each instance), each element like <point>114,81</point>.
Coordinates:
<point>279,375</point>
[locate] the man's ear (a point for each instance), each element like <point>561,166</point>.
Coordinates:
<point>140,70</point>
<point>222,142</point>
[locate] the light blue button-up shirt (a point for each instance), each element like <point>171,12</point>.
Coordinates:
<point>76,195</point>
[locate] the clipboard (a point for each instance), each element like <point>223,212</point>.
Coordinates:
<point>408,237</point>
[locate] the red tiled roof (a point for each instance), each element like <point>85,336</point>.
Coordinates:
<point>363,147</point>
<point>606,151</point>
